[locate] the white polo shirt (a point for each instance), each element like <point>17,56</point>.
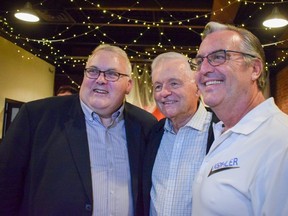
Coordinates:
<point>246,169</point>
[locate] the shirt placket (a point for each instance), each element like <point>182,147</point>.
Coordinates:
<point>177,148</point>
<point>111,176</point>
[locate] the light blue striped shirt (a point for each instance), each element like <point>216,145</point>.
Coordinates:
<point>178,160</point>
<point>109,162</point>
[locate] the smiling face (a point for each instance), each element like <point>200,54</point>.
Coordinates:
<point>175,91</point>
<point>105,97</point>
<point>229,85</point>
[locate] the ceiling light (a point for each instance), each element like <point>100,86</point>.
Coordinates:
<point>27,14</point>
<point>275,19</point>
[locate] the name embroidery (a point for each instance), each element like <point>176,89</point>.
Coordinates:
<point>224,165</point>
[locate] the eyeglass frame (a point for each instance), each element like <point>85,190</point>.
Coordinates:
<point>196,66</point>
<point>104,73</point>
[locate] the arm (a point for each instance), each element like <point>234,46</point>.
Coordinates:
<point>14,157</point>
<point>269,193</point>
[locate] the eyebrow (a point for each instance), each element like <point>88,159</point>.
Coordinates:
<point>109,69</point>
<point>168,81</point>
<point>210,52</point>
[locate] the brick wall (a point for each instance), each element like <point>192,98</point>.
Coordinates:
<point>280,89</point>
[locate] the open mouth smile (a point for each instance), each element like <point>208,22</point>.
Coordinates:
<point>214,82</point>
<point>100,91</point>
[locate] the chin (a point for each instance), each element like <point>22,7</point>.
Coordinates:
<point>169,115</point>
<point>211,102</point>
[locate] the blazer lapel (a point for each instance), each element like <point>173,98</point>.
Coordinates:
<point>76,135</point>
<point>133,131</point>
<point>149,159</point>
<point>154,143</point>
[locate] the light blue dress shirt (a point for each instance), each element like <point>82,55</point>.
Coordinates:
<point>111,180</point>
<point>178,160</point>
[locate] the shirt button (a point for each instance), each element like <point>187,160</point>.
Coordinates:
<point>88,207</point>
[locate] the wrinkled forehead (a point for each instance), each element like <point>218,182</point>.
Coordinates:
<point>219,40</point>
<point>172,68</point>
<point>106,55</point>
<point>105,59</point>
<point>170,65</point>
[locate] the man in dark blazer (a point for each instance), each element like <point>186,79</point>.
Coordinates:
<point>45,158</point>
<point>176,96</point>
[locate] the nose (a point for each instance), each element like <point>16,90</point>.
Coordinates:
<point>166,91</point>
<point>101,78</point>
<point>205,67</point>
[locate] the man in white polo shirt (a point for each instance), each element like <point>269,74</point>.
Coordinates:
<point>246,169</point>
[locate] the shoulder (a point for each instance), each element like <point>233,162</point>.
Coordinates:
<point>138,114</point>
<point>56,101</point>
<point>279,122</point>
<point>159,126</point>
<point>60,105</point>
<point>279,116</point>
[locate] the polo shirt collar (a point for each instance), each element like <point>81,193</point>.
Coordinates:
<point>252,120</point>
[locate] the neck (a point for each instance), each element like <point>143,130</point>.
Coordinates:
<point>182,119</point>
<point>178,123</point>
<point>231,115</point>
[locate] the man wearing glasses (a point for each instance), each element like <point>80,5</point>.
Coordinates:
<point>80,154</point>
<point>246,169</point>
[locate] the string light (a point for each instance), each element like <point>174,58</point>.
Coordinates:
<point>264,2</point>
<point>123,17</point>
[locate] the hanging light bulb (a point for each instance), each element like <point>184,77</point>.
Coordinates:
<point>27,14</point>
<point>275,19</point>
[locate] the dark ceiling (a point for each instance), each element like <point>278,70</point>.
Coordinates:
<point>69,30</point>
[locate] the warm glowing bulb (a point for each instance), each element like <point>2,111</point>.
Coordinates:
<point>27,17</point>
<point>275,23</point>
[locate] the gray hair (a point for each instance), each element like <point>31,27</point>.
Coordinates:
<point>169,55</point>
<point>116,50</point>
<point>251,45</point>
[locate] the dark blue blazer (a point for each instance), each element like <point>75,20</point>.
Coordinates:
<point>150,155</point>
<point>44,158</point>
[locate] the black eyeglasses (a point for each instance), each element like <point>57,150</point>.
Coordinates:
<point>215,58</point>
<point>109,75</point>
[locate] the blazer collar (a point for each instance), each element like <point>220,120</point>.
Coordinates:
<point>75,128</point>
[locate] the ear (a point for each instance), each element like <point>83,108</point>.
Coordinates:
<point>129,86</point>
<point>198,93</point>
<point>257,69</point>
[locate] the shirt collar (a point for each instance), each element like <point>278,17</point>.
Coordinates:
<point>92,116</point>
<point>196,122</point>
<point>252,120</point>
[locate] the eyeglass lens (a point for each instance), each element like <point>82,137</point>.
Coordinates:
<point>109,75</point>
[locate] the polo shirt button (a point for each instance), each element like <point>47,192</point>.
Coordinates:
<point>88,207</point>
